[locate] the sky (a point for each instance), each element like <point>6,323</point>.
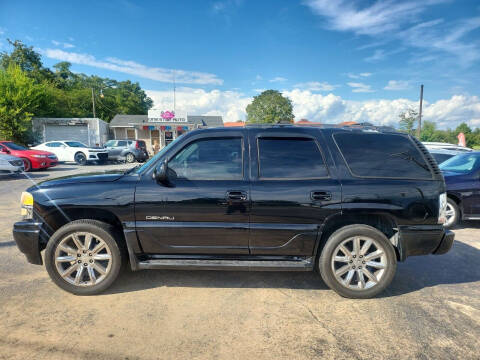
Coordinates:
<point>336,60</point>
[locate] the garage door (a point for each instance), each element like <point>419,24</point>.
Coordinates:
<point>67,132</point>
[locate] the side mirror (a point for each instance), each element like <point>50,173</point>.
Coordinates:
<point>3,150</point>
<point>164,175</point>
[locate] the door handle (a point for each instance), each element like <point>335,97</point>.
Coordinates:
<point>236,195</point>
<point>321,195</point>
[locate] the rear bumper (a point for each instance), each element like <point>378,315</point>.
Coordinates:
<point>27,237</point>
<point>423,240</point>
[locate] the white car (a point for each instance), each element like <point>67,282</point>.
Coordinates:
<point>444,146</point>
<point>10,164</point>
<point>73,151</point>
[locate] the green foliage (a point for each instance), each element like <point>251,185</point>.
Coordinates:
<point>64,93</point>
<point>408,121</point>
<point>270,107</point>
<point>20,98</point>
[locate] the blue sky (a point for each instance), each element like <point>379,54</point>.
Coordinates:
<point>337,60</point>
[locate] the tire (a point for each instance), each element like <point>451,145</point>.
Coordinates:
<point>104,263</point>
<point>454,211</point>
<point>354,266</point>
<point>129,158</point>
<point>27,165</point>
<point>80,158</point>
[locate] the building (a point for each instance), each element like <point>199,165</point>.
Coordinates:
<point>158,127</point>
<point>90,131</point>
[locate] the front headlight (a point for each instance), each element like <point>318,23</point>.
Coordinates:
<point>39,156</point>
<point>442,208</point>
<point>26,203</point>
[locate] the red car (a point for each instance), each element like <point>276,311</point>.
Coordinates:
<point>32,159</point>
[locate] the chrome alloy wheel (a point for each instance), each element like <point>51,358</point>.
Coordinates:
<point>359,263</point>
<point>83,259</point>
<point>449,214</point>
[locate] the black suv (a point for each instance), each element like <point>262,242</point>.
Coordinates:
<point>348,202</point>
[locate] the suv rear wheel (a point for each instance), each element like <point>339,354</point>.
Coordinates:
<point>83,258</point>
<point>357,261</point>
<point>129,158</point>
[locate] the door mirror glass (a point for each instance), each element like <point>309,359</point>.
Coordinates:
<point>164,175</point>
<point>3,150</point>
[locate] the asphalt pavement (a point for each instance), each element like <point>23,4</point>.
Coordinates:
<point>431,310</point>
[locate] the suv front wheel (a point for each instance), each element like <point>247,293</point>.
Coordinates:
<point>82,257</point>
<point>357,261</point>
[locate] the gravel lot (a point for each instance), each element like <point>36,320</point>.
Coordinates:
<point>431,310</point>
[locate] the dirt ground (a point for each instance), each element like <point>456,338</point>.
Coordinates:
<point>431,310</point>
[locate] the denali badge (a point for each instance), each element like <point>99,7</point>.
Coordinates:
<point>152,217</point>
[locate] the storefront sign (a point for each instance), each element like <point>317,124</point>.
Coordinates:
<point>158,116</point>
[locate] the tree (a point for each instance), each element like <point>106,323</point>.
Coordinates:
<point>20,98</point>
<point>270,107</point>
<point>407,121</point>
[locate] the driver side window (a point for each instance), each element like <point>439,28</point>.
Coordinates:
<point>210,159</point>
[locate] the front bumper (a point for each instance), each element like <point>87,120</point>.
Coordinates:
<point>27,235</point>
<point>11,169</point>
<point>102,156</point>
<point>423,240</point>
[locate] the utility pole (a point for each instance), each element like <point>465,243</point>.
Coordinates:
<point>174,90</point>
<point>419,127</point>
<point>93,104</point>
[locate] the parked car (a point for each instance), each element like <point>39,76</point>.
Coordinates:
<point>127,150</point>
<point>445,146</point>
<point>74,151</point>
<point>10,164</point>
<point>442,155</point>
<point>462,177</point>
<point>349,203</point>
<point>32,159</point>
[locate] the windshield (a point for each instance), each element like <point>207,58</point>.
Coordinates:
<point>463,163</point>
<point>155,158</point>
<point>110,143</point>
<point>14,146</point>
<point>75,144</point>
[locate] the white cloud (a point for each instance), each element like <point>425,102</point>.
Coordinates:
<point>315,86</point>
<point>258,77</point>
<point>329,108</point>
<point>397,85</point>
<point>358,76</point>
<point>229,104</point>
<point>377,18</point>
<point>62,44</point>
<point>392,21</point>
<point>359,87</point>
<point>134,68</point>
<point>278,79</point>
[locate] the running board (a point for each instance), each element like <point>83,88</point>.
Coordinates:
<point>232,265</point>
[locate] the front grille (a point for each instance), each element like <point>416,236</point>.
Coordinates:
<point>431,160</point>
<point>16,162</point>
<point>102,156</point>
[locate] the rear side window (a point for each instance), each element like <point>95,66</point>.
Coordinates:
<point>290,158</point>
<point>382,155</point>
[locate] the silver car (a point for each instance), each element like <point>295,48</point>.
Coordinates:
<point>127,150</point>
<point>10,164</point>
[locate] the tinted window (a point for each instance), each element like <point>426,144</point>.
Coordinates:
<point>210,159</point>
<point>290,158</point>
<point>122,143</point>
<point>441,157</point>
<point>14,146</point>
<point>382,155</point>
<point>54,144</point>
<point>141,143</point>
<point>75,144</point>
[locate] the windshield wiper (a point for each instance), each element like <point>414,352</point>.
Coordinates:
<point>406,156</point>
